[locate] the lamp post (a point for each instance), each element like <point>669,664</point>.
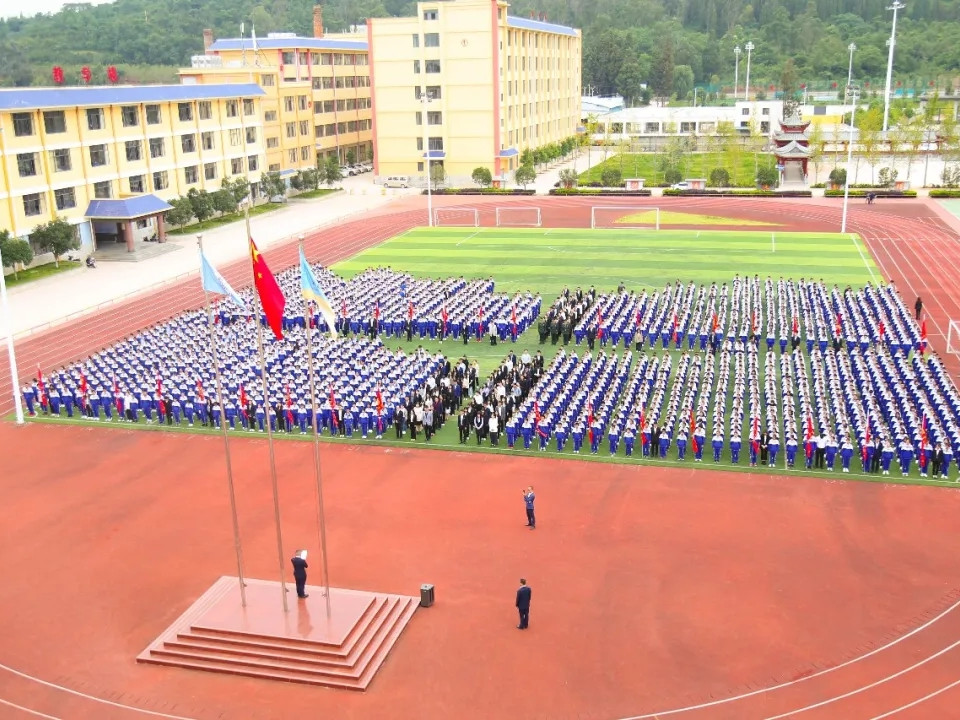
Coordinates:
<point>851,47</point>
<point>426,99</point>
<point>896,6</point>
<point>695,89</point>
<point>746,90</point>
<point>736,72</point>
<point>853,95</point>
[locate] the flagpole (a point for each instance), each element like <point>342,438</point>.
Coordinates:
<point>321,517</point>
<point>266,400</point>
<point>8,324</point>
<point>226,443</point>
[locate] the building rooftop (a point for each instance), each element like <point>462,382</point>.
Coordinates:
<point>281,43</point>
<point>18,99</point>
<point>539,25</point>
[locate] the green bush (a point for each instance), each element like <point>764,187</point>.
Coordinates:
<point>945,193</point>
<point>611,177</point>
<point>881,193</point>
<point>672,176</point>
<point>719,177</point>
<point>838,176</point>
<point>767,176</point>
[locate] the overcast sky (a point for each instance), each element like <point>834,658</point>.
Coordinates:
<point>14,8</point>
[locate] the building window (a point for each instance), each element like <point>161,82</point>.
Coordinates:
<point>65,198</point>
<point>235,137</point>
<point>95,119</point>
<point>272,143</point>
<point>32,204</point>
<point>274,168</point>
<point>420,144</point>
<point>205,109</point>
<point>433,92</point>
<point>304,127</point>
<point>236,166</point>
<point>429,14</point>
<point>435,143</point>
<point>185,111</point>
<point>302,102</point>
<point>318,131</point>
<point>54,122</point>
<point>434,118</point>
<point>431,40</point>
<point>210,171</point>
<point>136,183</point>
<point>188,143</point>
<point>251,135</point>
<point>688,127</point>
<point>416,39</point>
<point>103,189</point>
<point>253,163</point>
<point>22,124</point>
<point>291,129</point>
<point>328,106</point>
<point>326,59</point>
<point>206,141</point>
<point>745,111</point>
<point>419,118</point>
<point>305,152</point>
<point>292,155</point>
<point>765,111</point>
<point>247,107</point>
<point>156,147</point>
<point>133,150</point>
<point>288,103</point>
<point>232,108</point>
<point>416,67</point>
<point>267,80</point>
<point>60,159</point>
<point>288,58</point>
<point>27,164</point>
<point>98,155</point>
<point>190,175</point>
<point>432,66</point>
<point>129,116</point>
<point>160,181</point>
<point>270,116</point>
<point>419,167</point>
<point>153,114</point>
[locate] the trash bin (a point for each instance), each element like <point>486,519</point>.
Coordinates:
<point>426,595</point>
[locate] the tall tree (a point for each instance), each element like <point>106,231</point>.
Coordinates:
<point>661,74</point>
<point>57,237</point>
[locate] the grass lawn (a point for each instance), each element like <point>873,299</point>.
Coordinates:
<point>319,192</point>
<point>742,167</point>
<point>223,219</point>
<point>40,271</point>
<point>669,217</point>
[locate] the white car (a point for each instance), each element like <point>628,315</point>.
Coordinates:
<point>680,186</point>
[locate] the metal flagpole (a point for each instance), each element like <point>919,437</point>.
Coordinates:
<point>8,325</point>
<point>226,442</point>
<point>321,517</point>
<point>266,400</point>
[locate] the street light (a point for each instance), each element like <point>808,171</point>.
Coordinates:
<point>851,47</point>
<point>897,5</point>
<point>426,98</point>
<point>695,89</point>
<point>746,90</point>
<point>736,72</point>
<point>853,95</point>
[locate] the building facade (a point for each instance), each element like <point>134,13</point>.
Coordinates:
<point>67,152</point>
<point>470,85</point>
<point>317,92</point>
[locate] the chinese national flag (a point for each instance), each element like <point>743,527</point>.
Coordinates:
<point>333,408</point>
<point>590,421</point>
<point>643,421</point>
<point>796,325</point>
<point>923,337</point>
<point>445,316</point>
<point>286,390</point>
<point>756,435</point>
<point>675,326</point>
<point>882,329</point>
<point>199,390</point>
<point>41,386</point>
<point>83,384</point>
<point>243,400</point>
<point>866,441</point>
<point>809,442</point>
<point>271,297</point>
<point>379,402</point>
<point>513,318</point>
<point>923,444</point>
<point>839,325</point>
<point>716,323</point>
<point>693,429</point>
<point>600,324</point>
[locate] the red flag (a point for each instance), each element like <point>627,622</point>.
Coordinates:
<point>200,390</point>
<point>638,316</point>
<point>159,387</point>
<point>536,416</point>
<point>243,400</point>
<point>271,297</point>
<point>675,323</point>
<point>286,390</point>
<point>379,401</point>
<point>343,308</point>
<point>756,435</point>
<point>693,429</point>
<point>376,311</point>
<point>600,324</point>
<point>410,310</point>
<point>444,316</point>
<point>716,322</point>
<point>513,318</point>
<point>753,321</point>
<point>809,442</point>
<point>923,338</point>
<point>882,329</point>
<point>116,395</point>
<point>923,443</point>
<point>333,408</point>
<point>590,421</point>
<point>643,421</point>
<point>83,384</point>
<point>866,441</point>
<point>839,325</point>
<point>796,325</point>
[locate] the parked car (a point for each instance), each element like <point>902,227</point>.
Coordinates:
<point>680,186</point>
<point>397,181</point>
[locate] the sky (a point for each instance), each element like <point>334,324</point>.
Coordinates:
<point>13,8</point>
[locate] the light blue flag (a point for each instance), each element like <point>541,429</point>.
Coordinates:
<point>213,281</point>
<point>314,293</point>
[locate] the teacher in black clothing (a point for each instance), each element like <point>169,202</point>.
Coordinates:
<point>300,573</point>
<point>523,604</point>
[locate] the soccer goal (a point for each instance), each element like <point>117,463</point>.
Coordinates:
<point>953,337</point>
<point>518,217</point>
<point>456,217</point>
<point>605,217</point>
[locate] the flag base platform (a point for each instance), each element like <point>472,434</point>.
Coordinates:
<point>302,645</point>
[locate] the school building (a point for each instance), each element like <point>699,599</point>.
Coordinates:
<point>316,101</point>
<point>107,159</point>
<point>470,85</point>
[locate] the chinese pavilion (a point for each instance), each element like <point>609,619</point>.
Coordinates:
<point>792,152</point>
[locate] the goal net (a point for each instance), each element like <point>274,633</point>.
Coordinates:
<point>518,216</point>
<point>456,217</point>
<point>953,338</point>
<point>614,218</point>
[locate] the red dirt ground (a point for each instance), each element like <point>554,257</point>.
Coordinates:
<point>653,589</point>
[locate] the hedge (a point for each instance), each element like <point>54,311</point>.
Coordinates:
<point>945,193</point>
<point>737,193</point>
<point>879,193</point>
<point>482,191</point>
<point>606,192</point>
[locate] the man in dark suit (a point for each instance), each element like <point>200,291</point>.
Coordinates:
<point>523,604</point>
<point>528,499</point>
<point>300,573</point>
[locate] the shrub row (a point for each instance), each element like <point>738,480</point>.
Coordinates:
<point>737,193</point>
<point>610,192</point>
<point>482,191</point>
<point>945,193</point>
<point>878,192</point>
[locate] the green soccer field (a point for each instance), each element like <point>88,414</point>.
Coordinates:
<point>545,260</point>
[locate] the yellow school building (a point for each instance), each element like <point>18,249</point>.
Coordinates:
<point>107,159</point>
<point>316,101</point>
<point>470,85</point>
